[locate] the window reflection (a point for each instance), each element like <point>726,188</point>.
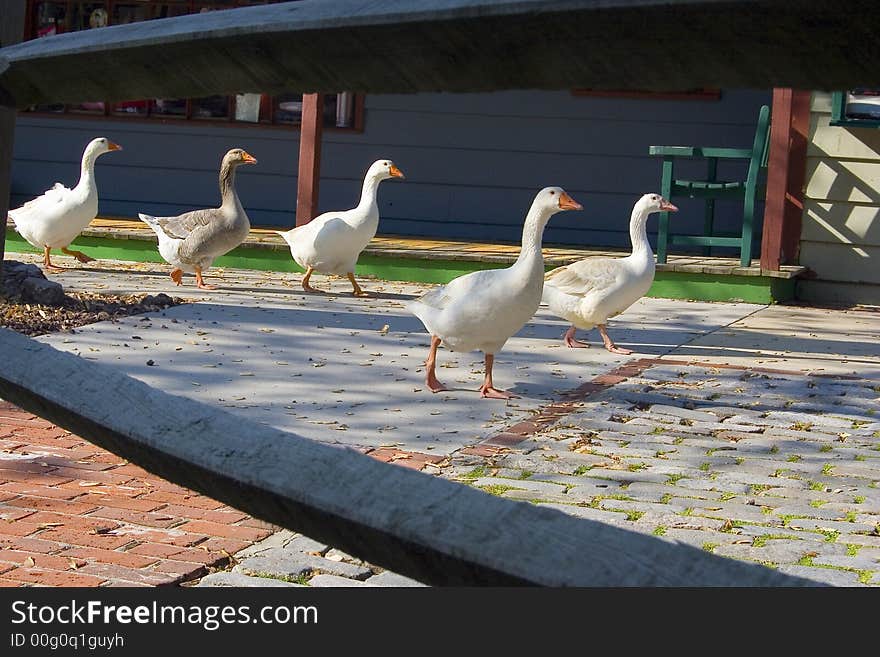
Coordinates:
<point>50,17</point>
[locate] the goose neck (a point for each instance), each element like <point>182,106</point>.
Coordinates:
<point>533,232</point>
<point>87,168</point>
<point>228,195</point>
<point>368,193</point>
<point>638,232</point>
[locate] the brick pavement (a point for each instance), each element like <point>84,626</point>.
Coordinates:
<point>72,514</point>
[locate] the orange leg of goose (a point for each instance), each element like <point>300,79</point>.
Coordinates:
<point>609,343</point>
<point>47,262</point>
<point>201,281</point>
<point>358,292</point>
<point>571,342</point>
<point>305,281</point>
<point>177,276</point>
<point>430,367</point>
<point>489,390</point>
<point>79,255</point>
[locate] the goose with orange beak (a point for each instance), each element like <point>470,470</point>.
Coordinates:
<point>480,311</point>
<point>589,292</point>
<point>332,242</point>
<point>55,218</point>
<point>191,241</point>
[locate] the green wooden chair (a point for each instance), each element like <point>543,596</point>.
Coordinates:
<point>711,189</point>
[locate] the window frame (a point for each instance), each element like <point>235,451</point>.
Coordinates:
<point>838,114</point>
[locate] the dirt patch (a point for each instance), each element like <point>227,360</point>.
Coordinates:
<point>78,309</point>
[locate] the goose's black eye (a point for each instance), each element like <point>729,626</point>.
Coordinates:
<point>552,192</point>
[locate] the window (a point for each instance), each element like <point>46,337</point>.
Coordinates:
<point>856,108</point>
<point>48,17</point>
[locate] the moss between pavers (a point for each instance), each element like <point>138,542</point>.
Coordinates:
<point>864,576</point>
<point>497,489</point>
<point>303,580</point>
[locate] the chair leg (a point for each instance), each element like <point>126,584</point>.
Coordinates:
<point>709,219</point>
<point>666,192</point>
<point>745,258</point>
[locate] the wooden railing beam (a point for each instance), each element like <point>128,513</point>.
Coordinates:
<point>404,46</point>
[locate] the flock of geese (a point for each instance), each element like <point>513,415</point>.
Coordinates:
<point>478,311</point>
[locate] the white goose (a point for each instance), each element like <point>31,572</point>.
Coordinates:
<point>589,291</point>
<point>190,242</point>
<point>481,310</point>
<point>54,219</point>
<point>331,242</point>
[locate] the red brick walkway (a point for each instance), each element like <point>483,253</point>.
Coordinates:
<point>72,514</point>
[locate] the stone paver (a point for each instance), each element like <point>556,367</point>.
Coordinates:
<point>285,563</point>
<point>226,578</point>
<point>387,578</point>
<point>832,576</point>
<point>787,501</point>
<point>334,581</point>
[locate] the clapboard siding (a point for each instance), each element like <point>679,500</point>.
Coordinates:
<point>841,223</point>
<point>858,262</point>
<point>840,234</point>
<point>817,291</point>
<point>473,162</point>
<point>852,145</point>
<point>841,180</point>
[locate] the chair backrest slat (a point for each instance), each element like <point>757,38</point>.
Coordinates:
<point>761,145</point>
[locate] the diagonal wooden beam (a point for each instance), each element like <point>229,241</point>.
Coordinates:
<point>428,528</point>
<point>400,46</point>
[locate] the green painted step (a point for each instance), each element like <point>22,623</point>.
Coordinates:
<point>670,285</point>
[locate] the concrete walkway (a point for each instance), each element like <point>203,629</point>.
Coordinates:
<point>338,369</point>
<point>725,429</point>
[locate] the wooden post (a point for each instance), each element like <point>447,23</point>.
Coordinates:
<point>786,171</point>
<point>11,31</point>
<point>309,177</point>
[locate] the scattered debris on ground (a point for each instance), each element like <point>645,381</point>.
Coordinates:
<point>32,305</point>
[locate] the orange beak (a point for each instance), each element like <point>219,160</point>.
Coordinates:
<point>566,202</point>
<point>666,206</point>
<point>247,158</point>
<point>395,172</point>
<point>113,146</point>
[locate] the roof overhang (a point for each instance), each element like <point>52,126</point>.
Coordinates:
<point>402,46</point>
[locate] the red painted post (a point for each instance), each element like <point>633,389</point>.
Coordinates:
<point>786,173</point>
<point>309,177</point>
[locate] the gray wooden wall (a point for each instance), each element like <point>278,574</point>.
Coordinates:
<point>473,161</point>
